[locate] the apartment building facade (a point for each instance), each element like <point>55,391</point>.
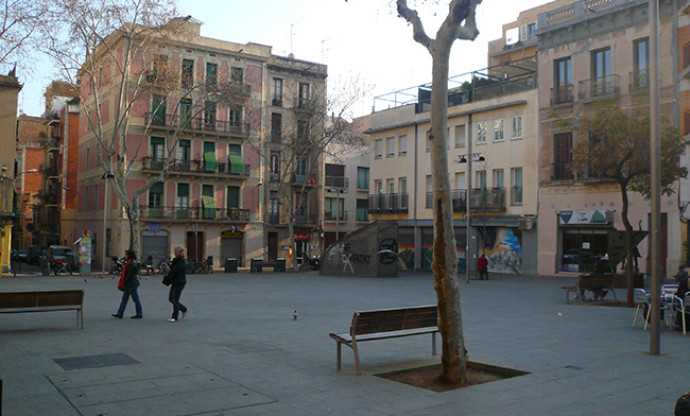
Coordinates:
<point>591,51</point>
<point>683,92</point>
<point>496,110</point>
<point>28,180</point>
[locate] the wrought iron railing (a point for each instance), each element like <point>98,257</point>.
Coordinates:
<point>234,215</point>
<point>197,124</point>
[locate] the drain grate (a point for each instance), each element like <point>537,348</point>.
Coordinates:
<point>94,361</point>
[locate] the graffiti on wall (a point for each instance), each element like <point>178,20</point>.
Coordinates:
<point>503,250</point>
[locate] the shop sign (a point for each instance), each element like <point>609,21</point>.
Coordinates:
<point>302,236</point>
<point>286,247</point>
<point>585,217</point>
<point>154,227</point>
<point>235,235</point>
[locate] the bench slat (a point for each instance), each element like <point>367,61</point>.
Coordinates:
<point>389,320</point>
<point>347,338</point>
<point>41,309</point>
<point>13,300</point>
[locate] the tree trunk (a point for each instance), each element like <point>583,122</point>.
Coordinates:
<point>629,301</point>
<point>134,239</point>
<point>454,356</point>
<point>293,243</point>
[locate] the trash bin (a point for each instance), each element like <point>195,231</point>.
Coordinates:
<point>256,266</point>
<point>462,264</point>
<point>231,265</point>
<point>281,264</point>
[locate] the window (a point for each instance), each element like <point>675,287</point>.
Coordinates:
<point>182,200</point>
<point>334,208</point>
<point>429,184</point>
<point>402,145</point>
<point>498,178</point>
<point>187,73</point>
<point>183,150</point>
<point>302,166</point>
<point>602,83</point>
<point>156,195</point>
<point>517,127</point>
<point>185,112</point>
<point>428,140</point>
<point>233,197</point>
<point>402,185</point>
<point>640,64</point>
<point>158,148</point>
<point>88,157</point>
<point>516,186</point>
<point>273,213</point>
<point>304,94</point>
<point>274,166</point>
<point>531,30</point>
<point>303,129</point>
<point>562,82</point>
<point>460,181</point>
<point>235,159</point>
<point>481,132</point>
<point>390,186</point>
<point>378,186</point>
<point>498,130</point>
<point>237,74</point>
<point>208,202</point>
<point>276,127</point>
<point>362,178</point>
<point>390,147</point>
<point>562,156</point>
<point>362,210</point>
<point>211,74</point>
<point>210,161</point>
<point>277,92</point>
<point>481,179</point>
<point>459,136</point>
<point>210,115</point>
<point>379,148</point>
<point>235,117</point>
<point>160,66</point>
<point>158,110</point>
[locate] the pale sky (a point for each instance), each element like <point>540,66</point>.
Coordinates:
<point>362,38</point>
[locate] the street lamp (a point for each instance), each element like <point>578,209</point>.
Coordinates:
<point>468,158</point>
<point>105,177</point>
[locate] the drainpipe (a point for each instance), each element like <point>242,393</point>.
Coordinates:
<point>417,237</point>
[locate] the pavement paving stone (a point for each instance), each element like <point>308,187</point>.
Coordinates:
<point>239,352</point>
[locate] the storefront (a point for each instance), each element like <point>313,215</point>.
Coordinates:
<point>231,246</point>
<point>584,238</point>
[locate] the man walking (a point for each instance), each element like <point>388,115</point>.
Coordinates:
<point>178,279</point>
<point>483,267</point>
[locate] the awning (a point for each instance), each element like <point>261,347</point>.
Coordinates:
<point>211,161</point>
<point>236,163</point>
<point>208,201</point>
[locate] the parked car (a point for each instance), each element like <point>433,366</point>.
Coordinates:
<point>23,255</point>
<point>34,254</point>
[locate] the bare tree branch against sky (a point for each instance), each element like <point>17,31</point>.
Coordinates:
<point>323,31</point>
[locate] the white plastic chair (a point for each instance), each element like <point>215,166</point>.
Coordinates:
<point>679,306</point>
<point>641,298</point>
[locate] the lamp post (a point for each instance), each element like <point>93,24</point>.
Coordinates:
<point>105,177</point>
<point>468,210</point>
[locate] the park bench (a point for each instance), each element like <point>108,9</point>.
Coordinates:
<point>387,323</point>
<point>257,265</point>
<point>60,300</point>
<point>599,285</point>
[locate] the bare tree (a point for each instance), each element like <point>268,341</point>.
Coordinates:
<point>458,24</point>
<point>115,52</point>
<point>19,20</point>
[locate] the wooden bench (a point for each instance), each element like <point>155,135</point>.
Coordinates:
<point>60,300</point>
<point>387,323</point>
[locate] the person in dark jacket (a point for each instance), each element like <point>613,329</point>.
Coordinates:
<point>130,286</point>
<point>178,277</point>
<point>682,279</point>
<point>483,267</point>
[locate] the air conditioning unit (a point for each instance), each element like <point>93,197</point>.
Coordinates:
<point>526,224</point>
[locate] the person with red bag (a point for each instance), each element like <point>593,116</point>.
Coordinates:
<point>129,285</point>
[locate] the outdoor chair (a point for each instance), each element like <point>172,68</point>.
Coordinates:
<point>679,306</point>
<point>641,298</point>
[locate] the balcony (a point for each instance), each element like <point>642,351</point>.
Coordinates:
<point>599,88</point>
<point>306,219</point>
<point>562,94</point>
<point>333,216</point>
<point>388,203</point>
<point>197,125</point>
<point>336,182</point>
<point>274,177</point>
<point>561,172</point>
<point>187,214</point>
<point>273,218</point>
<point>458,200</point>
<point>47,197</point>
<point>308,105</point>
<point>639,81</point>
<point>49,170</point>
<point>491,199</point>
<point>196,168</point>
<point>303,180</point>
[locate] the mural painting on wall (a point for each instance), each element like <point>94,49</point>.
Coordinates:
<point>503,250</point>
<point>406,249</point>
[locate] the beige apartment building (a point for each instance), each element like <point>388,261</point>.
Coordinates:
<point>495,109</point>
<point>682,63</point>
<point>590,51</point>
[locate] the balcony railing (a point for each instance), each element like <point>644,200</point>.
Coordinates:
<point>48,169</point>
<point>458,200</point>
<point>639,80</point>
<point>388,203</point>
<point>562,94</point>
<point>232,215</point>
<point>197,124</point>
<point>490,199</point>
<point>337,182</point>
<point>333,216</point>
<point>606,86</point>
<point>306,219</point>
<point>300,179</point>
<point>197,167</point>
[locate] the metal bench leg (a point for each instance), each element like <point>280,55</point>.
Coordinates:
<point>433,343</point>
<point>339,349</point>
<point>637,312</point>
<point>646,318</point>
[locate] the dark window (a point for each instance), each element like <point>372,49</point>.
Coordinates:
<point>304,94</point>
<point>158,110</point>
<point>210,115</point>
<point>237,74</point>
<point>276,127</point>
<point>562,81</point>
<point>362,210</point>
<point>183,150</point>
<point>302,129</point>
<point>302,166</point>
<point>531,30</point>
<point>640,76</point>
<point>235,116</point>
<point>273,214</point>
<point>275,166</point>
<point>563,156</point>
<point>277,92</point>
<point>158,148</point>
<point>185,112</point>
<point>187,73</point>
<point>233,200</point>
<point>156,195</point>
<point>211,74</point>
<point>362,178</point>
<point>601,64</point>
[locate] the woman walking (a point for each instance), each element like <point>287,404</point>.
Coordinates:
<point>178,279</point>
<point>130,286</point>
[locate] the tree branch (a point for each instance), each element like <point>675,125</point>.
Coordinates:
<point>419,34</point>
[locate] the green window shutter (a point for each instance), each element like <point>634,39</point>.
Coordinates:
<point>233,200</point>
<point>210,157</point>
<point>209,206</point>
<point>235,159</point>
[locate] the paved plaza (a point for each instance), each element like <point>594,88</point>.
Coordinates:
<point>239,351</point>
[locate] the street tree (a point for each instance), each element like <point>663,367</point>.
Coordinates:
<point>459,24</point>
<point>19,21</point>
<point>116,52</point>
<point>616,148</point>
